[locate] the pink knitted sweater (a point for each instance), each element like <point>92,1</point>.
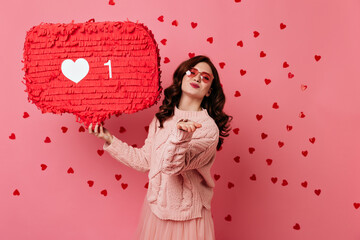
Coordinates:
<point>179,163</point>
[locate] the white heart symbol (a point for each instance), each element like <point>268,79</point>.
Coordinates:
<point>75,71</point>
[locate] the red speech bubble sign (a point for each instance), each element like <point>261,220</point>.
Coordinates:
<point>92,70</point>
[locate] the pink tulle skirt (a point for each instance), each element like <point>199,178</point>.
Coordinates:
<point>150,227</point>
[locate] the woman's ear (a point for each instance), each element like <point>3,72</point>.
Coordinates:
<point>209,92</point>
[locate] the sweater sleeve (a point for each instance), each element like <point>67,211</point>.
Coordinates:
<point>136,158</point>
<point>180,155</point>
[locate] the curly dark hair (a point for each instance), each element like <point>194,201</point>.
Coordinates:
<point>214,104</point>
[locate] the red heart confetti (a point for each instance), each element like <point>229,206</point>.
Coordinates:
<point>237,1</point>
<point>296,226</point>
<point>269,161</point>
<point>301,115</point>
<point>259,117</point>
<point>356,205</point>
<point>166,60</point>
<point>285,65</point>
<point>237,94</point>
<point>262,54</point>
<point>174,23</point>
<point>304,184</point>
<point>146,128</point>
<point>100,152</point>
<point>12,136</point>
<point>81,129</point>
<point>274,179</point>
<point>104,192</point>
<point>236,130</point>
<point>288,127</point>
<point>210,39</point>
<point>284,182</point>
<point>282,26</point>
<point>16,192</point>
<point>230,185</point>
<point>256,34</point>
<point>228,218</point>
<point>216,177</point>
<point>124,185</point>
<point>242,72</point>
<point>118,176</point>
<point>303,87</point>
<point>163,41</point>
<point>191,55</point>
<point>111,2</point>
<point>64,129</point>
<point>43,166</point>
<point>317,57</point>
<point>93,69</point>
<point>263,135</point>
<point>240,44</point>
<point>280,144</point>
<point>305,153</point>
<point>290,75</point>
<point>70,170</point>
<point>90,183</point>
<point>193,24</point>
<point>26,115</point>
<point>317,191</point>
<point>253,177</point>
<point>251,150</point>
<point>275,105</point>
<point>161,18</point>
<point>312,140</point>
<point>267,81</point>
<point>146,185</point>
<point>122,129</point>
<point>47,140</point>
<point>222,65</point>
<point>237,159</point>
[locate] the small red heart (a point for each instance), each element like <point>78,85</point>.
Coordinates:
<point>124,185</point>
<point>118,176</point>
<point>43,166</point>
<point>259,117</point>
<point>284,182</point>
<point>317,191</point>
<point>303,87</point>
<point>222,64</point>
<point>163,41</point>
<point>166,60</point>
<point>16,192</point>
<point>91,183</point>
<point>256,34</point>
<point>304,184</point>
<point>263,135</point>
<point>193,24</point>
<point>312,140</point>
<point>100,152</point>
<point>111,2</point>
<point>210,39</point>
<point>237,94</point>
<point>26,115</point>
<point>47,140</point>
<point>301,115</point>
<point>305,153</point>
<point>275,105</point>
<point>274,179</point>
<point>296,226</point>
<point>230,185</point>
<point>216,177</point>
<point>267,81</point>
<point>104,192</point>
<point>146,185</point>
<point>269,161</point>
<point>240,44</point>
<point>262,54</point>
<point>285,65</point>
<point>64,129</point>
<point>288,127</point>
<point>290,75</point>
<point>70,170</point>
<point>12,136</point>
<point>122,130</point>
<point>317,57</point>
<point>251,150</point>
<point>146,128</point>
<point>356,205</point>
<point>81,129</point>
<point>161,18</point>
<point>175,23</point>
<point>134,145</point>
<point>228,218</point>
<point>237,1</point>
<point>281,144</point>
<point>253,177</point>
<point>282,26</point>
<point>191,55</point>
<point>236,130</point>
<point>237,159</point>
<point>242,72</point>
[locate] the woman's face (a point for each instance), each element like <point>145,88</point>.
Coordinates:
<point>195,79</point>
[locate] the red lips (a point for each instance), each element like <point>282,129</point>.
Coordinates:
<point>194,85</point>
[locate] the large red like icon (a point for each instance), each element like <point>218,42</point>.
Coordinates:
<point>93,70</point>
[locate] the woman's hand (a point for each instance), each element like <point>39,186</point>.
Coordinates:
<point>103,133</point>
<point>188,126</point>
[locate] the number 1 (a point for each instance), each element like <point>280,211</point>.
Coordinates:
<point>109,64</point>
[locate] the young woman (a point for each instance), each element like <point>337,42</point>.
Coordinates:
<point>178,153</point>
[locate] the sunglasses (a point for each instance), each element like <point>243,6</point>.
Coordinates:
<point>206,77</point>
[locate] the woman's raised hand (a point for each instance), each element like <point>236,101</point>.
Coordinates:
<point>103,133</point>
<point>188,126</point>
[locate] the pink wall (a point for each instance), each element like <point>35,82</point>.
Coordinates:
<point>54,204</point>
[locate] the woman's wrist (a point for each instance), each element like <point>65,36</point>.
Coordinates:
<point>110,140</point>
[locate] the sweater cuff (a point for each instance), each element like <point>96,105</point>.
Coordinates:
<point>112,147</point>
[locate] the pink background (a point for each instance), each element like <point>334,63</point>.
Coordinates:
<point>56,205</point>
